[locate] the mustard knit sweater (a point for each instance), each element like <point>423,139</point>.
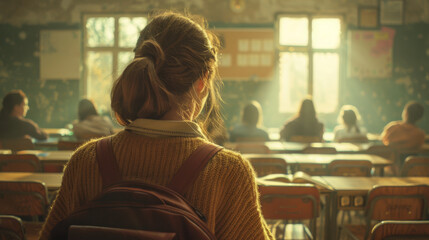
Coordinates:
<point>225,191</point>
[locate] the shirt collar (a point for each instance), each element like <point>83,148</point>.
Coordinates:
<point>165,128</point>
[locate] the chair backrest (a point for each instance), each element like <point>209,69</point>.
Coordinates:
<point>19,163</point>
<point>290,201</point>
<point>350,168</point>
<point>23,198</point>
<point>69,145</point>
<point>409,202</point>
<point>403,230</point>
<point>268,165</point>
<point>319,150</point>
<point>11,228</point>
<point>382,151</point>
<point>416,166</point>
<point>17,144</point>
<point>305,139</point>
<point>251,147</point>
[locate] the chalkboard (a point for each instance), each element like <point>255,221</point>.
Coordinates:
<point>246,54</point>
<point>60,54</point>
<point>370,53</point>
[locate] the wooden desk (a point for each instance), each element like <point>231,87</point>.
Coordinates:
<point>319,162</point>
<point>62,156</point>
<point>350,193</point>
<point>50,143</point>
<point>51,161</point>
<point>5,151</point>
<point>51,180</point>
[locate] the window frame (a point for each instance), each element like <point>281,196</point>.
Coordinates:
<point>115,49</point>
<point>310,51</point>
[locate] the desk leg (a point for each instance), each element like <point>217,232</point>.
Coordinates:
<point>332,228</point>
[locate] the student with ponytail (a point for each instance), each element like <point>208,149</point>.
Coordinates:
<point>166,97</point>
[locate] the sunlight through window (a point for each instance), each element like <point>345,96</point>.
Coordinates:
<point>297,54</point>
<point>107,53</point>
<point>294,31</point>
<point>326,33</point>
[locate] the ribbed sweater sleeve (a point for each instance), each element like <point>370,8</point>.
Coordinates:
<point>239,215</point>
<point>225,191</point>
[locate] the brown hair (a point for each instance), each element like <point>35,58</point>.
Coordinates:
<point>172,52</point>
<point>414,112</point>
<point>86,108</point>
<point>252,114</point>
<point>12,98</point>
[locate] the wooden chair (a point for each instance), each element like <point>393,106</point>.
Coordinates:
<point>404,230</point>
<point>24,198</point>
<point>19,163</point>
<point>17,144</point>
<point>251,147</point>
<point>382,151</point>
<point>268,165</point>
<point>350,168</point>
<point>69,145</point>
<point>391,203</point>
<point>319,150</point>
<point>416,166</point>
<point>290,202</point>
<point>305,139</point>
<point>11,228</point>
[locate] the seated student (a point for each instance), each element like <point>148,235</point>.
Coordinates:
<point>405,134</point>
<point>250,126</point>
<point>90,124</point>
<point>13,123</point>
<point>349,128</point>
<point>304,124</point>
<point>160,97</point>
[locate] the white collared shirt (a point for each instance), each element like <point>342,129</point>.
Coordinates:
<point>165,128</point>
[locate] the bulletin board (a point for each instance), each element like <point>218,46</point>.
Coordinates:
<point>370,53</point>
<point>60,54</point>
<point>246,54</point>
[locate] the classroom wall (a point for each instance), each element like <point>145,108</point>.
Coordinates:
<point>53,102</point>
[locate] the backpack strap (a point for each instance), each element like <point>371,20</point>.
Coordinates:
<point>192,167</point>
<point>107,164</point>
<point>184,177</point>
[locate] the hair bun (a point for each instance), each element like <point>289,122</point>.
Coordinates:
<point>152,50</point>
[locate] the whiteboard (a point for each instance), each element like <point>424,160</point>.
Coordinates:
<point>60,54</point>
<point>370,53</point>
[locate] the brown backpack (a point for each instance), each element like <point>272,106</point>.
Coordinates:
<point>137,210</point>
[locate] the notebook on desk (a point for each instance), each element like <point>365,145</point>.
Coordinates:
<point>298,177</point>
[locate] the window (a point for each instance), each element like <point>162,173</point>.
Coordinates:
<point>309,61</point>
<point>108,44</point>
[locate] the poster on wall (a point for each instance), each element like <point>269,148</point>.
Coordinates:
<point>246,54</point>
<point>370,53</point>
<point>60,54</point>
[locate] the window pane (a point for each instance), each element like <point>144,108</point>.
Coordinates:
<point>326,33</point>
<point>123,60</point>
<point>326,80</point>
<point>129,30</point>
<point>99,65</point>
<point>293,80</point>
<point>100,31</point>
<point>293,31</point>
